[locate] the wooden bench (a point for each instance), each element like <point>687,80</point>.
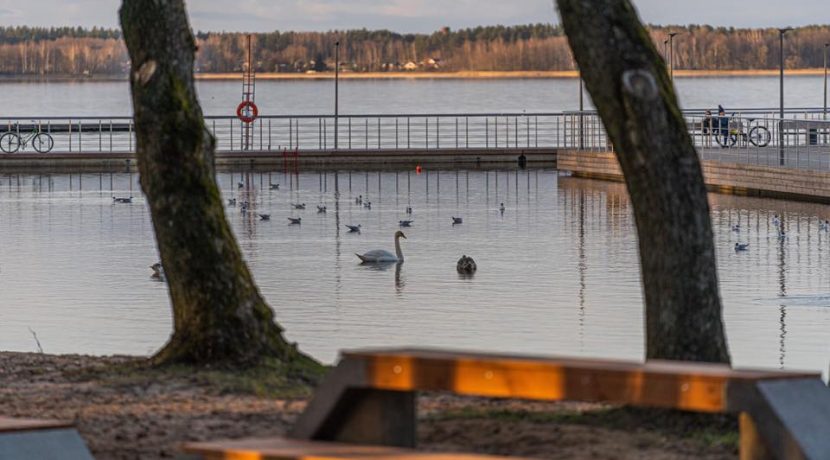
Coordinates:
<point>40,439</point>
<point>370,397</point>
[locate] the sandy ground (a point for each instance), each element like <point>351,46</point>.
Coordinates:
<point>133,416</point>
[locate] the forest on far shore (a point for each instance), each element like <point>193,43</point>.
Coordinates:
<point>533,47</point>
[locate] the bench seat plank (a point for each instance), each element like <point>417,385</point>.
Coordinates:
<point>699,387</point>
<point>8,425</point>
<point>278,448</point>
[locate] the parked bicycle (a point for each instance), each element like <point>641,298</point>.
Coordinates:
<point>42,142</point>
<point>758,135</point>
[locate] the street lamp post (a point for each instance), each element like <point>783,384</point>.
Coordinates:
<point>581,116</point>
<point>336,91</point>
<point>671,54</point>
<point>781,33</point>
<point>826,45</point>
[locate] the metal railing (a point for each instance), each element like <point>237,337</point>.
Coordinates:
<point>801,139</point>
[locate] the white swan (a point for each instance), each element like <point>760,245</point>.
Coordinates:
<point>380,255</point>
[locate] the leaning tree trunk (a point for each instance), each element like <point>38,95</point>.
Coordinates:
<point>219,316</point>
<point>629,85</point>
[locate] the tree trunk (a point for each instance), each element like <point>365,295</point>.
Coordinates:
<point>629,85</point>
<point>219,316</point>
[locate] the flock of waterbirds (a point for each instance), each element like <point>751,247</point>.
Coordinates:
<point>465,266</point>
<point>823,226</point>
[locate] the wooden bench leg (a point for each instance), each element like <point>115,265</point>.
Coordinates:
<point>367,416</point>
<point>752,446</point>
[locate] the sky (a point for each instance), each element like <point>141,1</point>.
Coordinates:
<point>410,15</point>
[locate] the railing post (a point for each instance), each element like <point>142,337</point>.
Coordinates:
<point>486,132</point>
<point>350,133</point>
<point>396,133</point>
<point>290,134</point>
<point>437,133</point>
<point>426,133</point>
<point>378,133</point>
<point>366,135</point>
<point>407,133</point>
<point>467,131</point>
<point>456,133</point>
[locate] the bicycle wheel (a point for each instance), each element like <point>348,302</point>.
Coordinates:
<point>759,136</point>
<point>728,141</point>
<point>10,142</point>
<point>43,142</point>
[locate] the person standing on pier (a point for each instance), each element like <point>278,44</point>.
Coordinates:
<point>723,124</point>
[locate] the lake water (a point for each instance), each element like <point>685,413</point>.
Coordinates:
<point>558,271</point>
<point>39,99</point>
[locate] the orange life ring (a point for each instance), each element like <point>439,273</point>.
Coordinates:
<point>245,105</point>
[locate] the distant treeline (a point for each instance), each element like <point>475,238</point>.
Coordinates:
<point>534,47</point>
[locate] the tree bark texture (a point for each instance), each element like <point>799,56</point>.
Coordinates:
<point>635,98</point>
<point>219,316</point>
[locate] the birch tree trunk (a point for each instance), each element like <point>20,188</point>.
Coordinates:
<point>219,316</point>
<point>631,89</point>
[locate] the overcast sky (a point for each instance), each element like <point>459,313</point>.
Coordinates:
<point>410,15</point>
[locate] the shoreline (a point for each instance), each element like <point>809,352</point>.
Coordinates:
<point>124,409</point>
<point>418,75</point>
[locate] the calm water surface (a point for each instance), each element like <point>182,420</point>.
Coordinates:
<point>396,96</point>
<point>558,271</point>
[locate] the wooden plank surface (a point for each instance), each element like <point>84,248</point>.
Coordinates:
<point>284,449</point>
<point>687,386</point>
<point>9,425</point>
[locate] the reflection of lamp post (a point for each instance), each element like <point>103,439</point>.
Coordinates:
<point>781,33</point>
<point>336,90</point>
<point>671,54</point>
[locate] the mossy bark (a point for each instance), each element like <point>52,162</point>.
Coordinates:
<point>635,98</point>
<point>219,316</point>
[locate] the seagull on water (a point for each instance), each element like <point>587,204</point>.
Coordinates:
<point>405,223</point>
<point>274,186</point>
<point>298,206</point>
<point>232,202</point>
<point>457,220</point>
<point>264,216</point>
<point>116,199</point>
<point>321,209</point>
<point>353,228</point>
<point>295,220</point>
<point>741,247</point>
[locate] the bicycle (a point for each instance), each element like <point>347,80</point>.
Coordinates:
<point>758,135</point>
<point>42,142</point>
